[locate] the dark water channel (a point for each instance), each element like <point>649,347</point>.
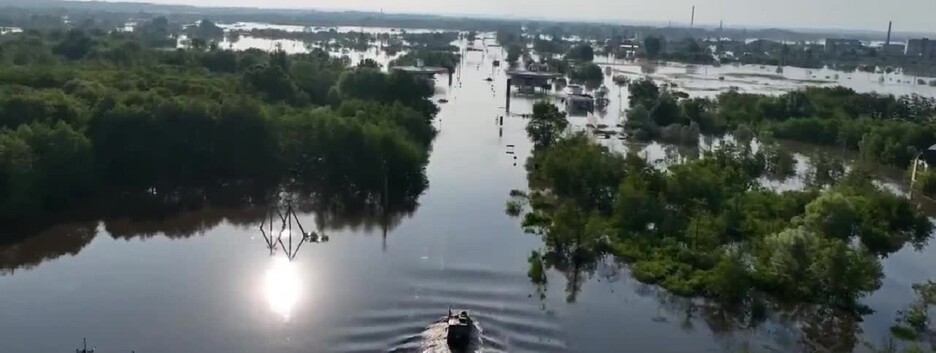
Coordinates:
<point>206,280</point>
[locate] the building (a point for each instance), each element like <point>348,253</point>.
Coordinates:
<point>922,47</point>
<point>532,79</point>
<point>838,47</point>
<point>893,49</point>
<point>423,71</point>
<point>762,46</point>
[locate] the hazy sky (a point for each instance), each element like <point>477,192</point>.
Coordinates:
<point>908,15</point>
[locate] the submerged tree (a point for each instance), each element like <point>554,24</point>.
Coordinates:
<point>547,124</point>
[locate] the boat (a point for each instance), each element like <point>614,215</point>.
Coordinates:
<point>443,101</point>
<point>459,329</point>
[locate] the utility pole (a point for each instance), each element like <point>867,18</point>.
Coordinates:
<point>692,19</point>
<point>890,26</point>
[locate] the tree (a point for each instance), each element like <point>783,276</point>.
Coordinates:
<point>76,45</point>
<point>514,51</point>
<point>587,72</point>
<point>270,81</point>
<point>805,265</point>
<point>220,61</point>
<point>582,52</point>
<point>206,29</point>
<point>578,170</point>
<point>666,111</point>
<point>547,125</point>
<point>653,46</point>
<point>834,215</point>
<point>643,91</point>
<point>825,170</point>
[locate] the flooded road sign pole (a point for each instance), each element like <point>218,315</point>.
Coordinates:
<point>509,82</point>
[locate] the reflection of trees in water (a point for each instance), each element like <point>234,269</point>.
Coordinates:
<point>50,244</point>
<point>182,214</point>
<point>756,324</point>
<point>829,330</point>
<point>336,211</point>
<point>576,266</point>
<point>759,325</point>
<point>185,212</point>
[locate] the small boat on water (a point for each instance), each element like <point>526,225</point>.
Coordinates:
<point>459,332</point>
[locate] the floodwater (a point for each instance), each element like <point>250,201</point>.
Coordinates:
<point>5,30</point>
<point>247,26</point>
<point>708,81</point>
<point>209,280</point>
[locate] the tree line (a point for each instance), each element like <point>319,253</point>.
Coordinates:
<point>86,113</point>
<point>883,128</point>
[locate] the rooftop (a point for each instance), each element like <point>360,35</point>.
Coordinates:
<point>424,70</point>
<point>532,74</point>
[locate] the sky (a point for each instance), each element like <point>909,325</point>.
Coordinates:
<point>908,15</point>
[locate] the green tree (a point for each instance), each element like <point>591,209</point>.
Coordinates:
<point>588,72</point>
<point>76,45</point>
<point>582,53</point>
<point>643,91</point>
<point>666,111</point>
<point>514,51</point>
<point>834,215</point>
<point>653,46</point>
<point>547,124</point>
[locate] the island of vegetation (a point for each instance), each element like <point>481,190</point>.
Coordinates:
<point>882,128</point>
<point>86,114</point>
<point>709,227</point>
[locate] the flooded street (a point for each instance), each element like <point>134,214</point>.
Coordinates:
<point>210,281</point>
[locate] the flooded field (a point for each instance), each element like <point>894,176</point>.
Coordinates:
<point>211,280</point>
<point>5,30</point>
<point>707,80</point>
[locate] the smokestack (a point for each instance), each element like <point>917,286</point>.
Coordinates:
<point>890,25</point>
<point>692,20</point>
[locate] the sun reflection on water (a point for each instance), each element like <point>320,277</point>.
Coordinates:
<point>283,286</point>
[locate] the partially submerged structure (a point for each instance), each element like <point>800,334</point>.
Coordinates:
<point>534,79</point>
<point>422,71</point>
<point>529,81</point>
<point>577,101</point>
